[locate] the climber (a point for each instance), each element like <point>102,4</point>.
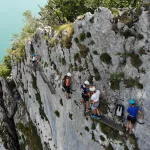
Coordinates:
<point>133,111</point>
<point>95,96</point>
<point>34,59</point>
<point>85,95</point>
<point>67,84</point>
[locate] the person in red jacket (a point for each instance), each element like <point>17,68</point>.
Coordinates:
<point>67,84</point>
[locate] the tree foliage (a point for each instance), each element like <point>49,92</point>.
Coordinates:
<point>4,70</point>
<point>60,11</point>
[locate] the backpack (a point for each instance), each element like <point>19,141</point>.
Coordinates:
<point>67,81</point>
<point>119,110</point>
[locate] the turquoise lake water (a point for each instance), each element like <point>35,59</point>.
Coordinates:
<point>11,19</point>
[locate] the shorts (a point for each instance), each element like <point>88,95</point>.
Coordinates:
<point>33,61</point>
<point>85,98</point>
<point>68,89</point>
<point>132,119</point>
<point>95,106</point>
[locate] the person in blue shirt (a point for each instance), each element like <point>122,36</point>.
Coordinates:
<point>85,94</point>
<point>133,111</point>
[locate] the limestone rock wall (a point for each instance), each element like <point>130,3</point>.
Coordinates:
<point>115,52</point>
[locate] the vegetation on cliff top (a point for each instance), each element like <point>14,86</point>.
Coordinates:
<point>62,11</point>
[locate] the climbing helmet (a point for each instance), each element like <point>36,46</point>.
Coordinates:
<point>69,74</point>
<point>92,88</point>
<point>86,82</point>
<point>131,101</point>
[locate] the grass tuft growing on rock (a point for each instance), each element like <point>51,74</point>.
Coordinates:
<point>135,60</point>
<point>88,34</point>
<point>102,138</point>
<point>106,58</point>
<point>87,128</point>
<point>133,141</point>
<point>41,109</point>
<point>130,82</point>
<point>61,102</point>
<point>32,138</point>
<point>57,113</point>
<point>95,52</point>
<point>34,84</point>
<point>76,40</point>
<point>115,79</point>
<point>70,116</point>
<point>111,133</point>
<point>82,36</point>
<point>63,61</point>
<point>77,57</point>
<point>83,50</point>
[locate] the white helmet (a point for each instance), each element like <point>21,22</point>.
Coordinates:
<point>69,74</point>
<point>86,82</point>
<point>92,88</point>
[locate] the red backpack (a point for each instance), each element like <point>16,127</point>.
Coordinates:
<point>67,81</point>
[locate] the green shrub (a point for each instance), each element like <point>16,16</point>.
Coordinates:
<point>127,33</point>
<point>45,64</point>
<point>4,70</point>
<point>115,79</point>
<point>32,138</point>
<point>51,42</point>
<point>92,42</point>
<point>88,34</point>
<point>106,58</point>
<point>70,116</point>
<point>61,102</point>
<point>63,61</point>
<point>102,138</point>
<point>130,82</point>
<point>82,36</point>
<point>139,36</point>
<point>87,128</point>
<point>41,109</point>
<point>93,136</point>
<point>133,141</point>
<point>76,40</point>
<point>83,50</point>
<point>66,41</point>
<point>57,113</point>
<point>7,61</point>
<point>110,133</point>
<point>95,52</point>
<point>34,84</point>
<point>77,57</point>
<point>135,60</point>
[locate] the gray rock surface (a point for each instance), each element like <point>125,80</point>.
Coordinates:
<point>41,88</point>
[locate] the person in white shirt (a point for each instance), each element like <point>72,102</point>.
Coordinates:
<point>95,96</point>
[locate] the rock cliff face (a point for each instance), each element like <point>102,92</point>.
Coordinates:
<point>113,51</point>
